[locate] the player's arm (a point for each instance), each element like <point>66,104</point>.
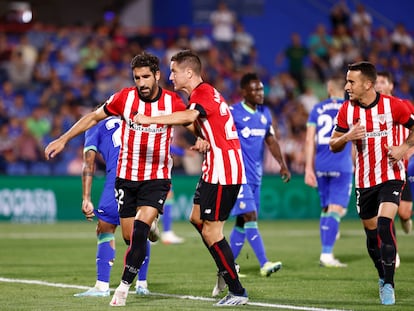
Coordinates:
<point>84,123</point>
<point>176,118</point>
<point>340,138</point>
<point>274,149</point>
<point>310,178</point>
<point>88,171</point>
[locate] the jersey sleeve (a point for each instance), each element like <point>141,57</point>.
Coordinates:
<point>402,112</point>
<point>178,103</point>
<point>341,119</point>
<point>115,104</point>
<point>313,117</point>
<point>91,139</point>
<point>198,101</point>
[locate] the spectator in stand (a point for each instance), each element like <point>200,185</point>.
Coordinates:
<point>319,43</point>
<point>400,36</point>
<point>200,42</point>
<point>296,55</point>
<point>340,16</point>
<point>19,72</point>
<point>223,21</point>
<point>361,23</point>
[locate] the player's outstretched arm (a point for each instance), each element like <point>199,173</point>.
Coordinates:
<point>84,123</point>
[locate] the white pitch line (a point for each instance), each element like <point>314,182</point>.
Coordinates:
<point>258,304</point>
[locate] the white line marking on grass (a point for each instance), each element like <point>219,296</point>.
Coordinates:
<point>258,304</point>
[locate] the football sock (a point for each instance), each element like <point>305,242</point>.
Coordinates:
<point>224,259</point>
<point>388,248</point>
<point>255,240</point>
<point>374,250</point>
<point>136,252</point>
<point>143,271</point>
<point>167,217</point>
<point>329,226</point>
<point>237,237</point>
<point>105,256</point>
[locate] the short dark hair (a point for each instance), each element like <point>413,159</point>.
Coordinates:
<point>387,75</point>
<point>367,69</point>
<point>191,59</point>
<point>145,59</point>
<point>247,78</point>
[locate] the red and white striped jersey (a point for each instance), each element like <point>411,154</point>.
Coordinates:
<point>381,120</point>
<point>402,130</point>
<point>223,163</point>
<point>145,149</point>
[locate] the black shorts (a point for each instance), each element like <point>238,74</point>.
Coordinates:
<point>130,195</point>
<point>216,201</point>
<point>368,200</point>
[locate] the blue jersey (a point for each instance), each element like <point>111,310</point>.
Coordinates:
<point>322,117</point>
<point>252,127</point>
<point>105,138</point>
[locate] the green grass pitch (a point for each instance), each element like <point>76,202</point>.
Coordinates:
<point>62,257</point>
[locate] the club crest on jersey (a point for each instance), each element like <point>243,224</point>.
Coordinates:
<point>263,120</point>
<point>381,118</point>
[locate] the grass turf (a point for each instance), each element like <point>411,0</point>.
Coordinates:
<point>64,253</point>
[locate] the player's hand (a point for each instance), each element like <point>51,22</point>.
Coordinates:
<point>310,179</point>
<point>87,209</point>
<point>141,119</point>
<point>285,174</point>
<point>357,131</point>
<point>54,148</point>
<point>396,153</point>
<point>201,145</point>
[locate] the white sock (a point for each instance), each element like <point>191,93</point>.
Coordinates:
<point>102,286</point>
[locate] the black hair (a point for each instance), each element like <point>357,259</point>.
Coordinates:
<point>367,69</point>
<point>247,78</point>
<point>387,75</point>
<point>146,60</point>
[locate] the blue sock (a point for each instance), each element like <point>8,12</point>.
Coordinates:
<point>143,271</point>
<point>167,217</point>
<point>237,237</point>
<point>329,226</point>
<point>105,256</point>
<point>255,241</point>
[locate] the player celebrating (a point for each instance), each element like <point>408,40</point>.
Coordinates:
<point>144,163</point>
<point>370,121</point>
<point>222,170</point>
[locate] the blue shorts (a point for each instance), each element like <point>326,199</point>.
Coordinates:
<point>108,207</point>
<point>248,200</point>
<point>334,188</point>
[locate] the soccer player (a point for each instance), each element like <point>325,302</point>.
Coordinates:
<point>144,163</point>
<point>222,171</point>
<point>334,182</point>
<point>105,138</point>
<point>254,126</point>
<point>385,85</point>
<point>370,120</point>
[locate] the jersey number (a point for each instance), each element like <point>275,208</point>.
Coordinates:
<point>229,127</point>
<point>116,136</point>
<point>324,134</point>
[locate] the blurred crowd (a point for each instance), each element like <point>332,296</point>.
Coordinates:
<point>51,75</point>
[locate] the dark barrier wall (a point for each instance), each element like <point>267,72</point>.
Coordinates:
<point>26,199</point>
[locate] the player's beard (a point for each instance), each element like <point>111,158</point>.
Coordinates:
<point>148,94</point>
